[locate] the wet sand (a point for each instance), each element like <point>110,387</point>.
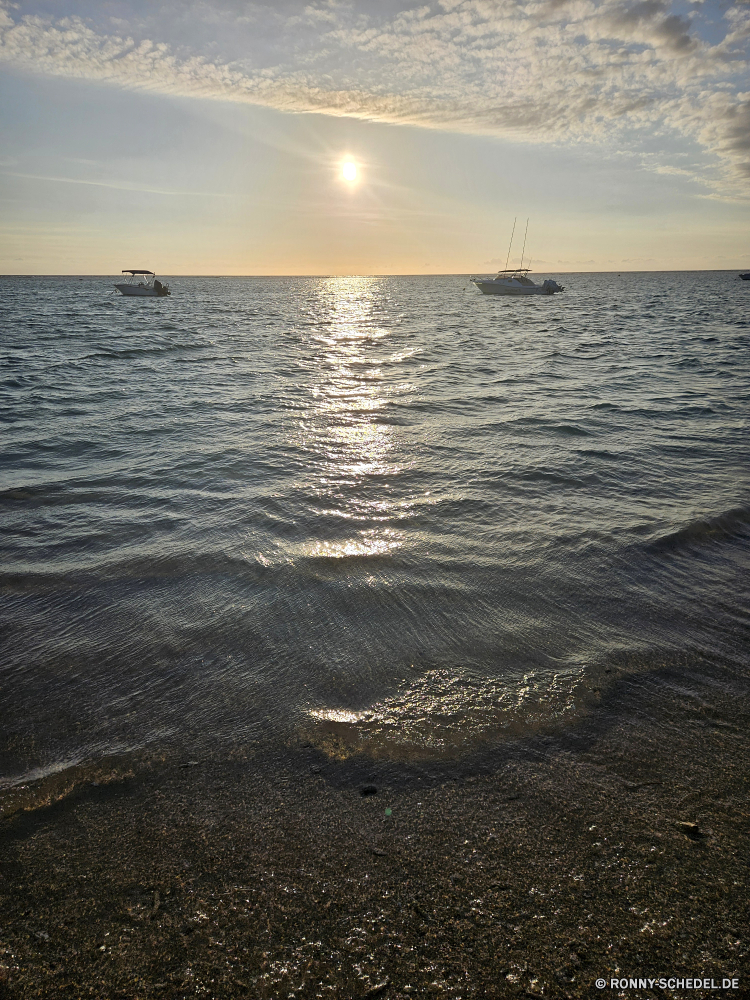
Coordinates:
<point>601,849</point>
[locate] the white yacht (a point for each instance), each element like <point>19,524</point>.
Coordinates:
<point>142,283</point>
<point>516,282</point>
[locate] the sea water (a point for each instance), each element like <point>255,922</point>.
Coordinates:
<point>387,515</point>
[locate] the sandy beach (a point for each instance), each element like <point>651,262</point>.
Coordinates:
<point>533,868</point>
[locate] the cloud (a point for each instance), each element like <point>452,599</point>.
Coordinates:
<point>649,21</point>
<point>117,185</point>
<point>565,71</point>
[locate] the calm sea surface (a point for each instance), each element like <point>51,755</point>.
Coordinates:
<point>389,514</point>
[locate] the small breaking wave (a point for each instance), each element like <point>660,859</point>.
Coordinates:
<point>444,710</point>
<point>732,525</point>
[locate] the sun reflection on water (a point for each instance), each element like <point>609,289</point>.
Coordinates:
<point>353,453</point>
<point>448,708</point>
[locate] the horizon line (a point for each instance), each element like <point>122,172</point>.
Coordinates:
<point>381,274</point>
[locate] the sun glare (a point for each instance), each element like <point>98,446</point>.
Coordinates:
<point>349,170</point>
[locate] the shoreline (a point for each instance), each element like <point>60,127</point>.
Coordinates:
<point>530,870</point>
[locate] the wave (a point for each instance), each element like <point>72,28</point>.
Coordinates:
<point>126,353</point>
<point>570,430</point>
<point>145,566</point>
<point>601,453</point>
<point>557,477</point>
<point>732,525</point>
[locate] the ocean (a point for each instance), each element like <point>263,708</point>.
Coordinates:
<point>380,516</point>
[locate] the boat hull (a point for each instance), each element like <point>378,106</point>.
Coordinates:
<point>501,288</point>
<point>141,290</point>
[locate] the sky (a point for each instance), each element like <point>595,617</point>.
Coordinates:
<point>209,136</point>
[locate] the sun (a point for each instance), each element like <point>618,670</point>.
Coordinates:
<point>349,171</point>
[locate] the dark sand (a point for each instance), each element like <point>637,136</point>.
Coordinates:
<point>600,849</point>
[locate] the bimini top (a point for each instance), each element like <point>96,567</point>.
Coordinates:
<point>515,270</point>
<point>132,271</point>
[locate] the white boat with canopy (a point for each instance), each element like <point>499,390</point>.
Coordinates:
<point>142,283</point>
<point>516,280</point>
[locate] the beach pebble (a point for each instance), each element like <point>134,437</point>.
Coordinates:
<point>690,829</point>
<point>378,989</point>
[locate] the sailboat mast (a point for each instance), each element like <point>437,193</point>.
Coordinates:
<point>510,244</point>
<point>523,252</point>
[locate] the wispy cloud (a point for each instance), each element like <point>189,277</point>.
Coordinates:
<point>566,71</point>
<point>117,185</point>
